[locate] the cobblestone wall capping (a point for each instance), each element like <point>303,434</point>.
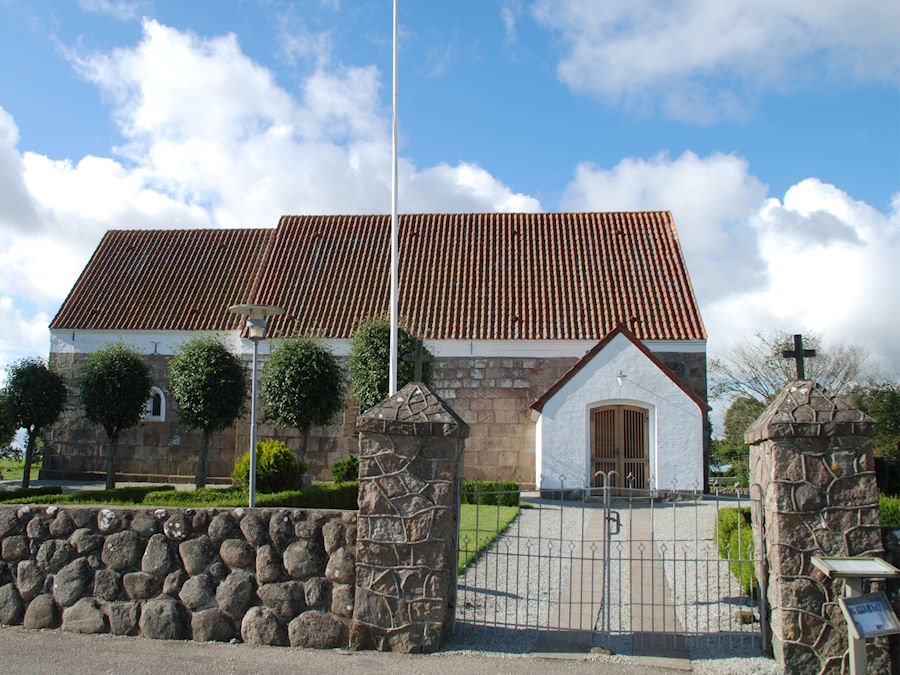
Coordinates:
<point>265,575</point>
<point>812,458</point>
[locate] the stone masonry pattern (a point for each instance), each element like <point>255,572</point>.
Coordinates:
<point>411,448</point>
<point>490,394</point>
<point>812,457</point>
<point>264,576</point>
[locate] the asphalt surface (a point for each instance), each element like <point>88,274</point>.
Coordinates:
<point>56,651</point>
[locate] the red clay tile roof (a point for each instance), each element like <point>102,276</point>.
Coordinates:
<point>462,276</point>
<point>165,280</point>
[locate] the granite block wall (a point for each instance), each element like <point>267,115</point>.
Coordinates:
<point>491,394</point>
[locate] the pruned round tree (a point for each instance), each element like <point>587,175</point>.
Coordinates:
<point>303,387</point>
<point>115,385</point>
<point>33,399</point>
<point>210,388</point>
<point>370,348</point>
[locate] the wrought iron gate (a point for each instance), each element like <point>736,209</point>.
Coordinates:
<point>639,573</point>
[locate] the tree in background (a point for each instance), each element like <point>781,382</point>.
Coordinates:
<point>732,449</point>
<point>210,387</point>
<point>369,366</point>
<point>755,368</point>
<point>8,426</point>
<point>115,385</point>
<point>882,402</point>
<point>33,399</point>
<point>753,372</point>
<point>303,387</point>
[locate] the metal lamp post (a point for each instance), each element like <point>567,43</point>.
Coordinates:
<point>256,331</point>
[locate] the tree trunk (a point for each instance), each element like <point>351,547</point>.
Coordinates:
<point>304,442</point>
<point>29,453</point>
<point>110,457</point>
<point>201,462</point>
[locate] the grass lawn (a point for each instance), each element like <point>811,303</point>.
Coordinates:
<point>479,525</point>
<point>12,469</point>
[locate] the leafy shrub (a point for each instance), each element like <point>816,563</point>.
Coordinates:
<point>503,493</point>
<point>345,469</point>
<point>276,468</point>
<point>741,560</point>
<point>890,510</point>
<point>726,524</point>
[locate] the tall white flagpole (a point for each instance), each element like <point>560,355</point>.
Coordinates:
<point>392,371</point>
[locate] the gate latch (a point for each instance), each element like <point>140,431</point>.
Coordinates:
<point>614,517</point>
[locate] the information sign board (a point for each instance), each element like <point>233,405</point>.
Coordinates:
<point>869,615</point>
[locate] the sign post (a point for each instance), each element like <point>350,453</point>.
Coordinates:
<point>868,615</point>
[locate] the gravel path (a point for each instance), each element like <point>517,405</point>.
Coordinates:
<point>541,578</point>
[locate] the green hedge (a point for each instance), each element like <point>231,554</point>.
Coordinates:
<point>490,492</point>
<point>18,494</point>
<point>318,496</point>
<point>118,496</point>
<point>726,523</point>
<point>741,549</point>
<point>734,540</point>
<point>890,510</point>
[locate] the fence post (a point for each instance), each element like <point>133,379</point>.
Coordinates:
<point>811,456</point>
<point>410,459</point>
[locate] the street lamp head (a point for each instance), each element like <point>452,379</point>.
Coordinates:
<point>256,321</point>
<point>256,328</point>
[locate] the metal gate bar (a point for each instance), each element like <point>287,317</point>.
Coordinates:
<point>639,572</point>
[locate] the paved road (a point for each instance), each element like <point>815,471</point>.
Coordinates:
<point>55,651</point>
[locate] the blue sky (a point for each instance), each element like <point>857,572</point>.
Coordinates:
<point>770,129</point>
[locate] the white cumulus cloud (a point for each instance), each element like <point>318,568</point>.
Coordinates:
<point>815,260</point>
<point>209,139</point>
<point>704,59</point>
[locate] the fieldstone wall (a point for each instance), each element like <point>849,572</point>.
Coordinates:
<point>812,457</point>
<point>265,576</point>
<point>410,452</point>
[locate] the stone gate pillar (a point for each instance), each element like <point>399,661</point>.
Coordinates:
<point>410,457</point>
<point>812,457</point>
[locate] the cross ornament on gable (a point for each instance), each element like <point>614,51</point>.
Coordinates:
<point>418,359</point>
<point>798,354</point>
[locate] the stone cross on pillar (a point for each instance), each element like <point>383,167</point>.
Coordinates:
<point>418,358</point>
<point>798,354</point>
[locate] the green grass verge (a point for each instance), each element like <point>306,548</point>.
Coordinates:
<point>13,469</point>
<point>479,525</point>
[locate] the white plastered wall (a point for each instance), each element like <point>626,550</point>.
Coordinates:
<point>675,421</point>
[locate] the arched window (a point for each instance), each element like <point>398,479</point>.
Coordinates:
<point>155,410</point>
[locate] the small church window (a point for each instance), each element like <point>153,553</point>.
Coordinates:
<point>155,409</point>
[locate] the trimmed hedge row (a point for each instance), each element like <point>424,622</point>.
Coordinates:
<point>19,493</point>
<point>117,496</point>
<point>490,492</point>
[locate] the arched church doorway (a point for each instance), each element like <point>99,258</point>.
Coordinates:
<point>620,443</point>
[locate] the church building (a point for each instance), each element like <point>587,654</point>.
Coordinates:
<point>571,343</point>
